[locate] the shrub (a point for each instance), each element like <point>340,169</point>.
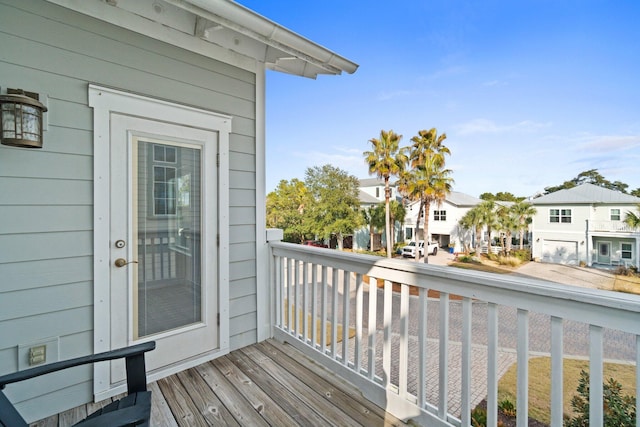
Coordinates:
<point>479,418</point>
<point>467,259</point>
<point>509,260</point>
<point>507,407</point>
<point>522,254</point>
<point>630,271</point>
<point>619,410</point>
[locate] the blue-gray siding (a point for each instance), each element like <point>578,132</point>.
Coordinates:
<point>46,196</point>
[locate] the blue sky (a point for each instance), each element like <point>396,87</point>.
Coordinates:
<point>529,93</point>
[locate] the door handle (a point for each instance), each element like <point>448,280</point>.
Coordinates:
<point>121,262</point>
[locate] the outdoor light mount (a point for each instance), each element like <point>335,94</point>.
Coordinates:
<point>21,119</point>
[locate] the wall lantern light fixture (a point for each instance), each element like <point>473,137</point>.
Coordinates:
<point>21,117</point>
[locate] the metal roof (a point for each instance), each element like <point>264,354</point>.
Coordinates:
<point>586,194</point>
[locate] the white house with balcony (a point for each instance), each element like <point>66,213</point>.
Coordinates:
<point>443,220</point>
<point>585,224</point>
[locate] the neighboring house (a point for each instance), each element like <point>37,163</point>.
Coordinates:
<point>154,155</point>
<point>372,194</point>
<point>443,220</point>
<point>585,224</point>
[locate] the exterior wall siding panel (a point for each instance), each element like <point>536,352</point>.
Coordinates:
<point>47,195</point>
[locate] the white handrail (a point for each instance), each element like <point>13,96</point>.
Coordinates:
<point>395,327</point>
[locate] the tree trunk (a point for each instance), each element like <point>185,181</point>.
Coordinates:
<point>427,208</point>
<point>416,238</point>
<point>387,221</point>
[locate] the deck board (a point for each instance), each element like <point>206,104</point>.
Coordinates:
<point>264,384</point>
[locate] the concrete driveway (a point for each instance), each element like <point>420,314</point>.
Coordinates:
<point>585,277</point>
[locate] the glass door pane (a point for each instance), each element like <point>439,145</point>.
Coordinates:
<point>168,221</point>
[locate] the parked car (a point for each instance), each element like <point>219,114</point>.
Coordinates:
<point>409,251</point>
<point>316,243</point>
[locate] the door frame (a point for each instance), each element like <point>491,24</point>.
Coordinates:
<point>104,101</point>
<point>600,257</point>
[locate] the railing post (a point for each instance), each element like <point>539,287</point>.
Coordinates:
<point>273,235</point>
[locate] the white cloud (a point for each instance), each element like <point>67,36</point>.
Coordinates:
<point>607,143</point>
<point>487,126</point>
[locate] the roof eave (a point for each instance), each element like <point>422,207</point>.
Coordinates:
<point>303,57</point>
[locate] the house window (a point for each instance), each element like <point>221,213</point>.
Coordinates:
<point>615,214</point>
<point>439,215</point>
<point>560,215</point>
<point>164,180</point>
<point>377,191</point>
<point>627,251</point>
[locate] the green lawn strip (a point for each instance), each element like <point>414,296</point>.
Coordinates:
<point>540,384</point>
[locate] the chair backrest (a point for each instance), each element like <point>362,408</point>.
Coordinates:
<point>9,417</point>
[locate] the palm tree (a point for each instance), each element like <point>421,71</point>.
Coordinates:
<point>488,219</point>
<point>472,221</point>
<point>430,182</point>
<point>508,222</point>
<point>633,219</point>
<point>396,211</point>
<point>524,212</point>
<point>386,159</point>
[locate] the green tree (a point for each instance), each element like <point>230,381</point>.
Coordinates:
<point>502,196</point>
<point>286,206</point>
<point>635,192</point>
<point>591,176</point>
<point>375,217</point>
<point>524,213</point>
<point>335,210</point>
<point>386,159</point>
<point>507,221</point>
<point>472,220</point>
<point>397,211</point>
<point>429,181</point>
<point>633,219</point>
<point>488,218</point>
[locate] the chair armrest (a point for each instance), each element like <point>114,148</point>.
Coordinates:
<point>133,355</point>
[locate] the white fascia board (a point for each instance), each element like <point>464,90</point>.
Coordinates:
<point>122,18</point>
<point>245,21</point>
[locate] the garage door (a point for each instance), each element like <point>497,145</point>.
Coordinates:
<point>560,252</point>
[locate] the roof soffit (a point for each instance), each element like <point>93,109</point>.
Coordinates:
<point>219,29</point>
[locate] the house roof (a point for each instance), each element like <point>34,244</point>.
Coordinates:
<point>585,194</point>
<point>462,199</point>
<point>215,27</point>
<point>373,182</point>
<point>367,199</point>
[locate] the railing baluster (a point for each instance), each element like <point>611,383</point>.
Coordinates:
<point>290,295</point>
<point>334,313</point>
<point>279,288</point>
<point>492,364</point>
<point>465,382</point>
<point>595,376</point>
<point>323,310</point>
<point>637,378</point>
<point>404,340</point>
<point>371,338</point>
<point>357,355</point>
<point>296,298</point>
<point>346,294</point>
<point>522,392</point>
<point>443,342</point>
<point>314,305</point>
<point>305,315</point>
<point>556,371</point>
<point>422,348</point>
<point>386,349</point>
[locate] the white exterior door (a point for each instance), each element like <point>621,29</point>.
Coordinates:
<point>159,272</point>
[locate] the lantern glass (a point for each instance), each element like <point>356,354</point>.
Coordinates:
<point>21,121</point>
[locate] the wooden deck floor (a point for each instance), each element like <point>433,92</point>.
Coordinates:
<point>267,384</point>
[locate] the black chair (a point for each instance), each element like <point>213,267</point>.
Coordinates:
<point>132,410</point>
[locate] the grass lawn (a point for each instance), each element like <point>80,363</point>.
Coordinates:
<point>540,384</point>
<point>629,284</point>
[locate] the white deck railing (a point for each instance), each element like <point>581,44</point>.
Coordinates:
<point>611,226</point>
<point>432,359</point>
